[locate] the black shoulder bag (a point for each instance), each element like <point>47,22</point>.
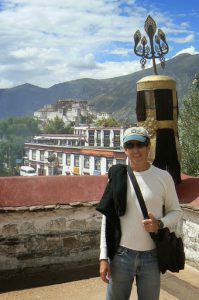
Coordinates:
<point>170,248</point>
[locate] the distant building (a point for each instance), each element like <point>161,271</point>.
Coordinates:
<point>102,115</point>
<point>75,111</point>
<point>89,151</point>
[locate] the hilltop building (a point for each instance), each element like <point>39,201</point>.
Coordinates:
<point>75,111</point>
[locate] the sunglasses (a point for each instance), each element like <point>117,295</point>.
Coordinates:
<point>135,145</point>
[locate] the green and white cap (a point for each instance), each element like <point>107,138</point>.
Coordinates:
<point>139,134</point>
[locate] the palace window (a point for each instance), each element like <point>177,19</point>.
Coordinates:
<point>59,157</point>
<point>97,165</point>
<point>86,162</point>
<point>109,163</point>
<point>68,159</point>
<point>34,154</point>
<point>76,160</point>
<point>41,155</point>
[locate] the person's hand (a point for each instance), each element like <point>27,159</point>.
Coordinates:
<point>151,224</point>
<point>105,270</point>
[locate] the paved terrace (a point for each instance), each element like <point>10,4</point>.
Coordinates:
<point>175,286</point>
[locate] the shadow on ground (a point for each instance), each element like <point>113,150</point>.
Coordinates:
<point>26,280</point>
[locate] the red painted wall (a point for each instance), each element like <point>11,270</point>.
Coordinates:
<point>46,190</point>
<point>188,190</point>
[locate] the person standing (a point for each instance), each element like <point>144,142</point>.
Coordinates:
<point>127,251</point>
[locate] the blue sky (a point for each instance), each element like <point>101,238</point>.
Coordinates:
<point>52,41</point>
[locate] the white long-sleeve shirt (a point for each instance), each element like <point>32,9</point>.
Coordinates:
<point>158,189</point>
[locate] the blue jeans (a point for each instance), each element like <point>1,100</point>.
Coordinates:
<point>126,265</point>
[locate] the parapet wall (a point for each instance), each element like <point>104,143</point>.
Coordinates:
<point>54,236</point>
<point>188,228</point>
<point>51,222</point>
<point>45,190</point>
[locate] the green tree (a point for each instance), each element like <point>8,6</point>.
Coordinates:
<point>87,119</point>
<point>19,126</point>
<point>189,133</point>
<point>56,125</point>
<point>109,122</point>
<point>14,132</point>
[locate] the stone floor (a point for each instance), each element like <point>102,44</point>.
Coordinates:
<point>175,286</point>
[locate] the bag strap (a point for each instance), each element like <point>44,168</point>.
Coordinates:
<point>139,196</point>
<point>138,192</point>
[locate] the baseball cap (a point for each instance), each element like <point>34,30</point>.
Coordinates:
<point>136,134</point>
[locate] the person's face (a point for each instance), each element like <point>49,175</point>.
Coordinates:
<point>137,152</point>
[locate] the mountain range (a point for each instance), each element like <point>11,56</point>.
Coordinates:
<point>115,95</point>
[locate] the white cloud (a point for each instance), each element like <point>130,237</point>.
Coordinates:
<point>190,50</point>
<point>185,24</point>
<point>183,40</point>
<point>86,62</point>
<point>6,83</point>
<point>46,42</point>
<point>114,69</point>
<point>119,51</point>
<point>27,52</point>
